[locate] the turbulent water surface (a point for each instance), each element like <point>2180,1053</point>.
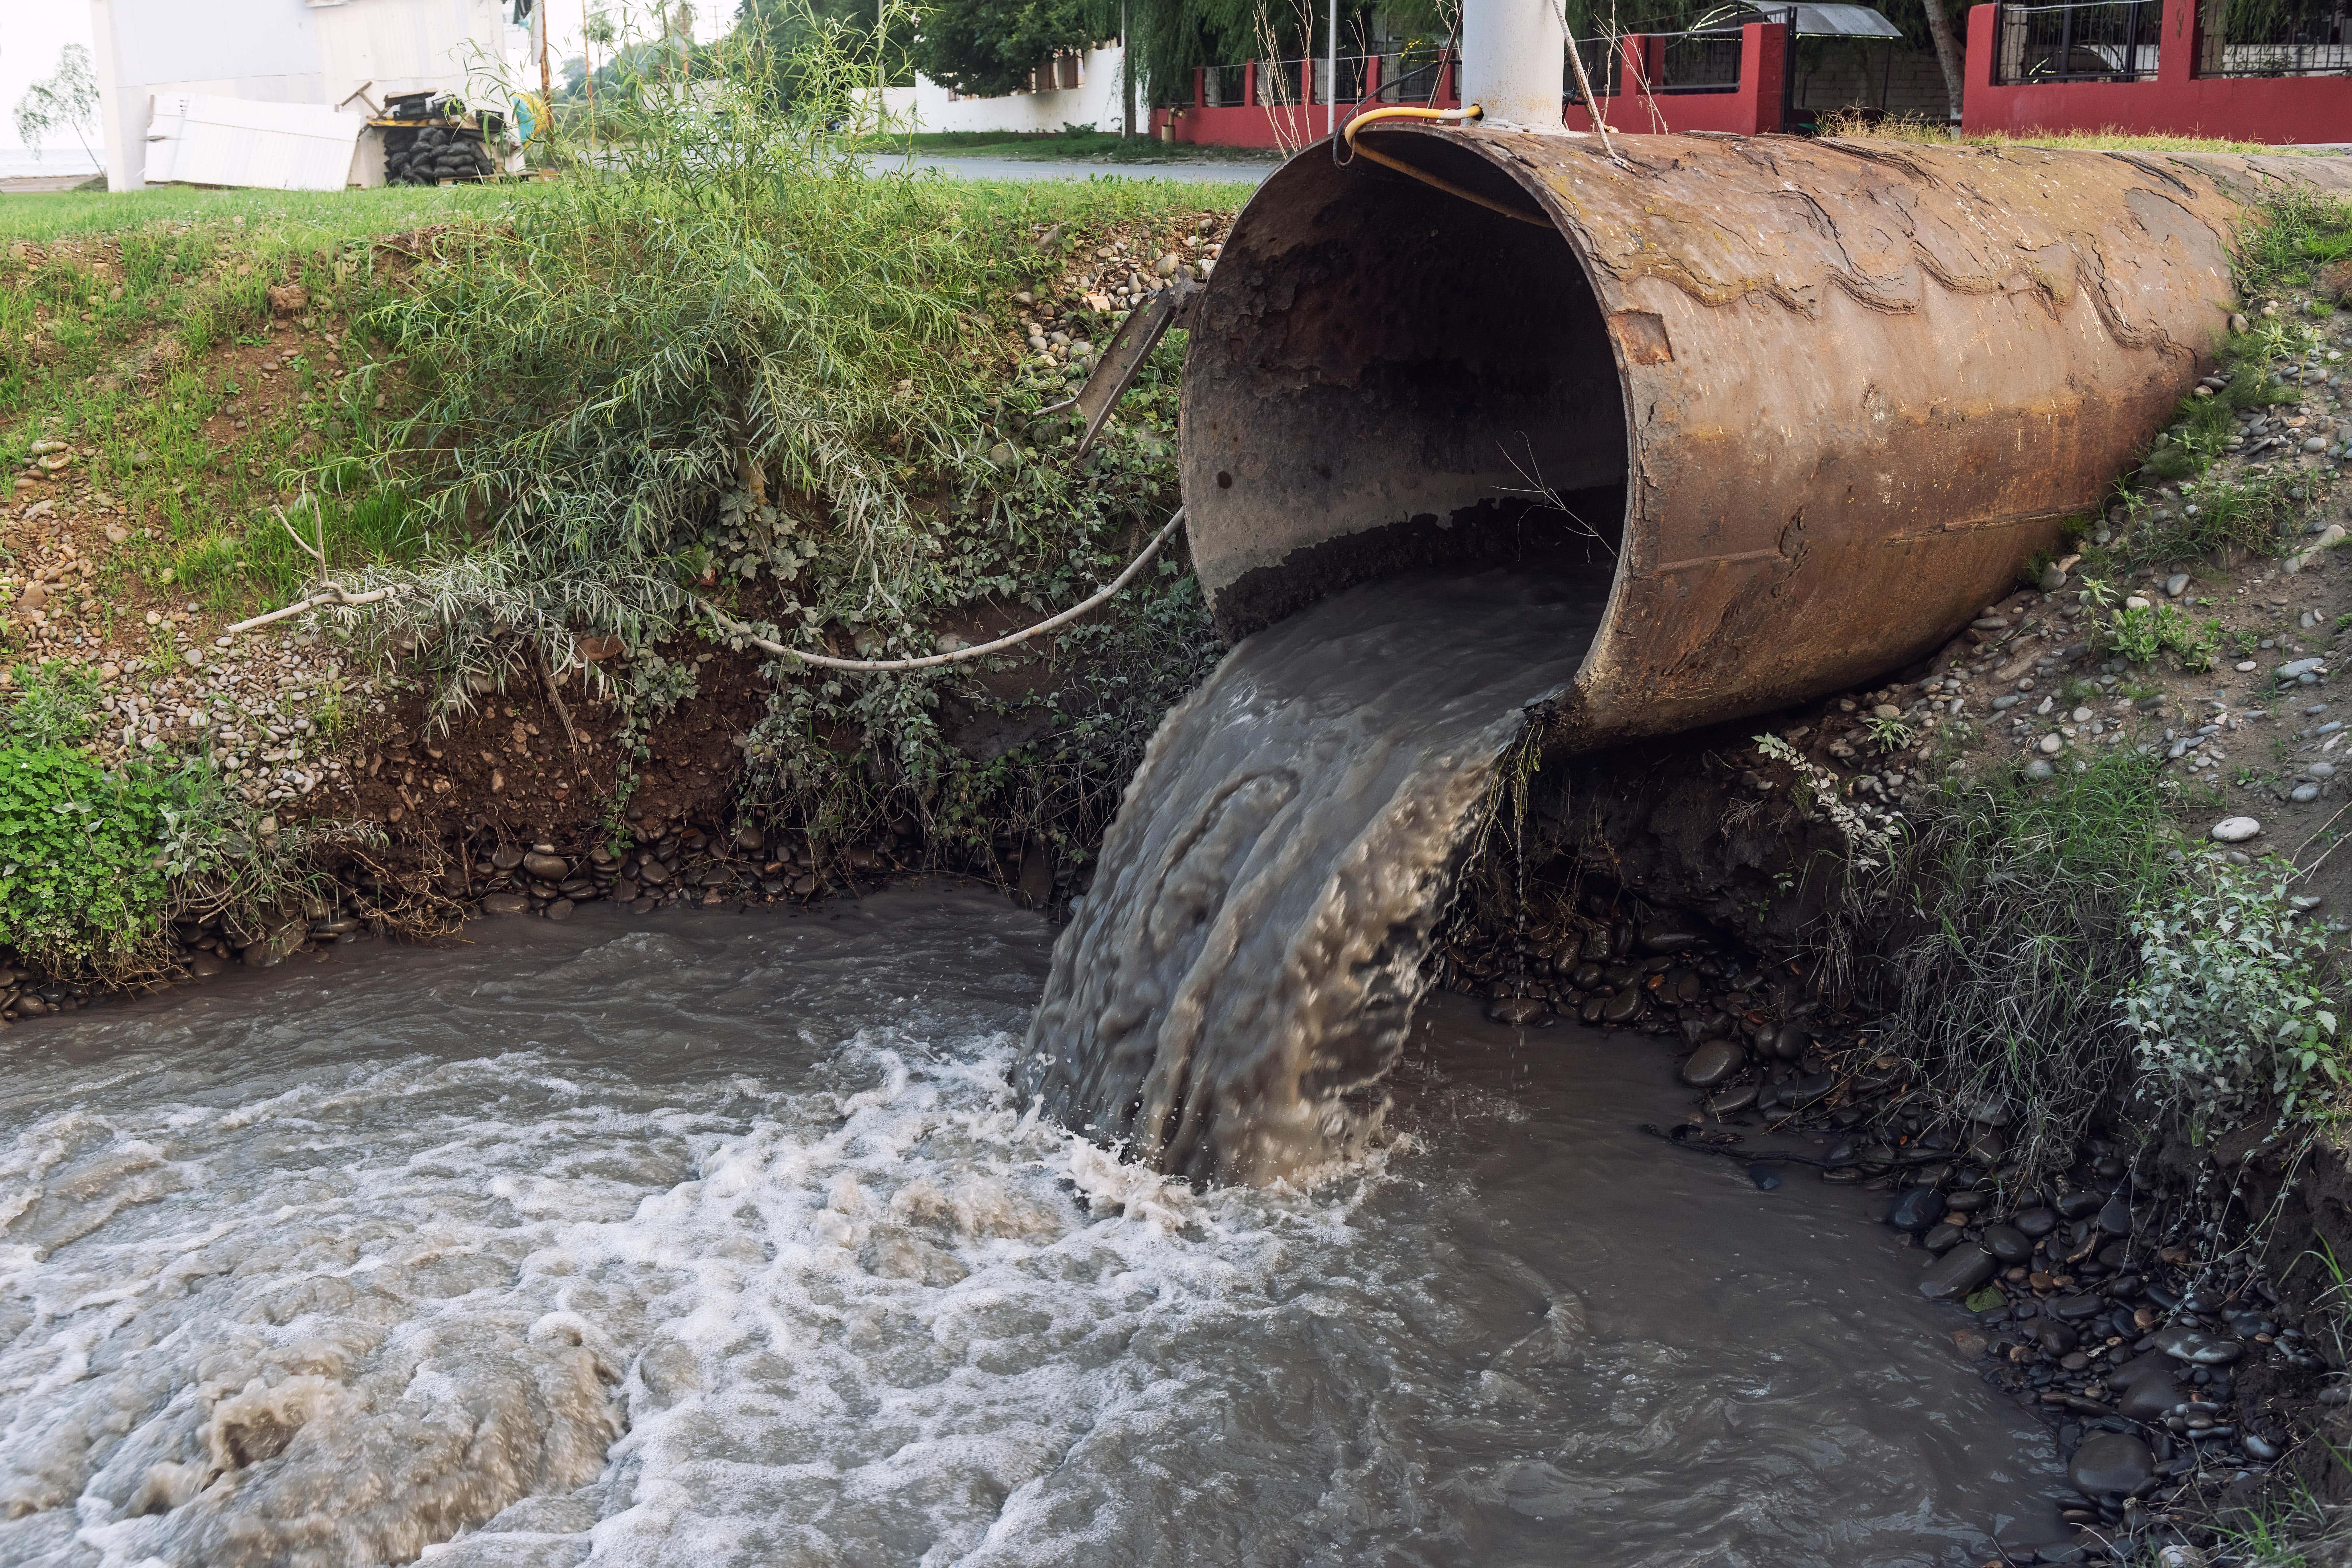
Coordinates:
<point>1232,991</point>
<point>717,1240</point>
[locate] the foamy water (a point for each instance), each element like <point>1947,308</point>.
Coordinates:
<point>715,1240</point>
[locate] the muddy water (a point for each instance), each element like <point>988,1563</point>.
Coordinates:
<point>1237,981</point>
<point>715,1240</point>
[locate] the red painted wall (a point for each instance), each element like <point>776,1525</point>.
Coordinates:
<point>1751,108</point>
<point>2282,110</point>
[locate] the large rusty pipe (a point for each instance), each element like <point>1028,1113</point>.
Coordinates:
<point>1820,398</point>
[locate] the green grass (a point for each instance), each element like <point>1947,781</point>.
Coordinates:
<point>284,219</point>
<point>2002,909</point>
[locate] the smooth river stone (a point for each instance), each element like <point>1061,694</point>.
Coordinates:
<point>1942,1238</point>
<point>2114,1216</point>
<point>1957,1273</point>
<point>1622,1008</point>
<point>2110,1462</point>
<point>1710,1064</point>
<point>1738,1098</point>
<point>2036,1222</point>
<point>2008,1243</point>
<point>1916,1208</point>
<point>2149,1397</point>
<point>2202,1349</point>
<point>1520,1012</point>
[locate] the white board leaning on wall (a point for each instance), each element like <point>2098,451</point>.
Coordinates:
<point>202,140</point>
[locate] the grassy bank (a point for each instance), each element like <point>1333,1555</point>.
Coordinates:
<point>558,424</point>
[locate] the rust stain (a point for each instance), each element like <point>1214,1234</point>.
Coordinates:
<point>1642,338</point>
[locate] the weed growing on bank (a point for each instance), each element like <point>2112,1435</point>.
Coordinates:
<point>95,860</point>
<point>2048,936</point>
<point>737,367</point>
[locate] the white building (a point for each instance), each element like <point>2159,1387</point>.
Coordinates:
<point>317,55</point>
<point>1071,89</point>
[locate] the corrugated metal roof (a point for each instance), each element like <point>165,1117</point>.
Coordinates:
<point>1843,22</point>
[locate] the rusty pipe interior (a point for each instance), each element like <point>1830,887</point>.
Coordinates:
<point>1808,404</point>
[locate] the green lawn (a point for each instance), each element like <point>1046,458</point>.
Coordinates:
<point>294,219</point>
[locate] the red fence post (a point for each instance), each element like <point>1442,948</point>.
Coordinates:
<point>1249,83</point>
<point>1200,87</point>
<point>2176,56</point>
<point>1977,112</point>
<point>1763,65</point>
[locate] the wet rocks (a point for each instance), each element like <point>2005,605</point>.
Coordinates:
<point>2007,1243</point>
<point>2111,1462</point>
<point>2200,1349</point>
<point>1914,1209</point>
<point>505,904</point>
<point>1957,1273</point>
<point>1520,1012</point>
<point>1711,1063</point>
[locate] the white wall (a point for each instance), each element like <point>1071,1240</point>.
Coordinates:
<point>1094,102</point>
<point>285,51</point>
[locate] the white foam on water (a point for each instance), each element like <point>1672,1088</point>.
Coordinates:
<point>315,1304</point>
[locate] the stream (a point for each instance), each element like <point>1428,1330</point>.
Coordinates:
<point>718,1239</point>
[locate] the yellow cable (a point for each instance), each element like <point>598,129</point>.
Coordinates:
<point>1470,111</point>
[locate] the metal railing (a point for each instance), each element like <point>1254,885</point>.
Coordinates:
<point>1279,83</point>
<point>2089,40</point>
<point>1706,61</point>
<point>1223,87</point>
<point>1601,58</point>
<point>2274,37</point>
<point>1408,77</point>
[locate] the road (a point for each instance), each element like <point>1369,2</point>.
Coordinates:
<point>1248,173</point>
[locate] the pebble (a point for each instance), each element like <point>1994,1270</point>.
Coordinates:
<point>2235,830</point>
<point>2183,1343</point>
<point>1520,1012</point>
<point>505,904</point>
<point>1942,1238</point>
<point>1914,1208</point>
<point>2298,669</point>
<point>1732,1099</point>
<point>2111,1462</point>
<point>2177,584</point>
<point>2008,1243</point>
<point>2036,1222</point>
<point>1710,1064</point>
<point>2051,744</point>
<point>1957,1273</point>
<point>2304,792</point>
<point>547,867</point>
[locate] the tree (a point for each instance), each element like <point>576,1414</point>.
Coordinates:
<point>986,48</point>
<point>68,100</point>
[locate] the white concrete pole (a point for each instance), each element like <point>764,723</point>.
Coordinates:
<point>1514,59</point>
<point>1331,92</point>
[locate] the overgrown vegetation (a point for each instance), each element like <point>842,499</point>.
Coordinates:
<point>94,859</point>
<point>740,369</point>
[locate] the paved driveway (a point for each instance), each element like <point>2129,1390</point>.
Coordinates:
<point>1248,173</point>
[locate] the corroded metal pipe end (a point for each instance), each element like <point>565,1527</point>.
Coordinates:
<point>1808,403</point>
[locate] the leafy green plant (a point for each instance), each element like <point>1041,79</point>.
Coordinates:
<point>2231,1006</point>
<point>2139,633</point>
<point>80,887</point>
<point>1891,734</point>
<point>56,705</point>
